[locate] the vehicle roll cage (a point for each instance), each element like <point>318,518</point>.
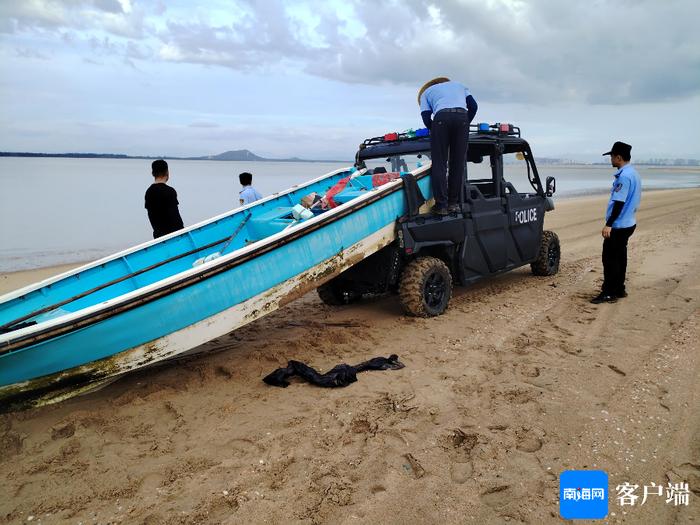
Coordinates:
<point>497,129</point>
<point>484,139</point>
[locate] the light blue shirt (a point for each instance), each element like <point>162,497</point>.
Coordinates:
<point>627,188</point>
<point>249,194</point>
<point>444,96</point>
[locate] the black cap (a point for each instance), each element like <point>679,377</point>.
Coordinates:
<point>620,148</point>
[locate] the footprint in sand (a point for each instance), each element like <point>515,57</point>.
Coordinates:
<point>566,347</point>
<point>240,447</point>
<point>10,444</point>
<point>461,472</point>
<point>530,371</point>
<point>460,444</point>
<point>527,441</point>
<point>224,371</point>
<point>463,440</point>
<point>363,426</point>
<point>62,431</point>
<point>688,473</point>
<point>497,496</point>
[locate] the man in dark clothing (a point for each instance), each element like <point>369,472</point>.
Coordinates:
<point>161,202</point>
<point>453,107</point>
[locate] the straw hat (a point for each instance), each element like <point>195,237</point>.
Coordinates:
<point>438,80</point>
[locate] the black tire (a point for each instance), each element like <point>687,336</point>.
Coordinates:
<point>425,287</point>
<point>335,293</point>
<point>547,262</point>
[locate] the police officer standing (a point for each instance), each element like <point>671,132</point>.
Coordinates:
<point>620,223</point>
<point>453,107</point>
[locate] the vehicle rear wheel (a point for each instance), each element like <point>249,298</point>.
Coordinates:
<point>335,293</point>
<point>425,287</point>
<point>547,262</point>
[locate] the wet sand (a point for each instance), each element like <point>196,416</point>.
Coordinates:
<point>522,378</point>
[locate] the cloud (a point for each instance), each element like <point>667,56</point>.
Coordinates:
<point>30,53</point>
<point>540,51</point>
<point>52,16</point>
<point>110,6</point>
<point>260,36</point>
<point>505,50</point>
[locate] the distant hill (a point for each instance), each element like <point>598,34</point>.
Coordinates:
<point>232,155</point>
<point>247,155</point>
<point>239,154</point>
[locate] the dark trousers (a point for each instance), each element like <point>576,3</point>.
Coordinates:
<point>448,146</point>
<point>615,260</point>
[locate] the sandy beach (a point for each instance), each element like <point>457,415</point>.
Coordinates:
<point>521,379</point>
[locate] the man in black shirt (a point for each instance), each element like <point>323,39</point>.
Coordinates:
<point>161,202</point>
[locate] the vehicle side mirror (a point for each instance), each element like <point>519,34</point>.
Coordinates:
<point>551,186</point>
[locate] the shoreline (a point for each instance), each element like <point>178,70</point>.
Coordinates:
<point>11,281</point>
<point>694,169</point>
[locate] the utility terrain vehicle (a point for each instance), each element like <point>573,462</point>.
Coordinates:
<point>499,226</point>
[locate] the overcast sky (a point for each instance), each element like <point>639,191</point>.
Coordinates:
<point>314,78</point>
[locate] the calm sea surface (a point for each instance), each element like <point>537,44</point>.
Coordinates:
<point>58,210</point>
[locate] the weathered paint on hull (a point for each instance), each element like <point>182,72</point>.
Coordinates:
<point>53,388</point>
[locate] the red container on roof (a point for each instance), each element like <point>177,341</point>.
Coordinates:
<point>391,136</point>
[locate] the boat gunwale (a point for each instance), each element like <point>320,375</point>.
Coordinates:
<point>19,340</point>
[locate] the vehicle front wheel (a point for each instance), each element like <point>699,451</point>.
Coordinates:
<point>547,262</point>
<point>425,287</point>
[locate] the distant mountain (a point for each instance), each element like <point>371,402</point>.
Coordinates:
<point>239,154</point>
<point>247,155</point>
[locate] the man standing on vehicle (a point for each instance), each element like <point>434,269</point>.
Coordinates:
<point>453,107</point>
<point>620,223</point>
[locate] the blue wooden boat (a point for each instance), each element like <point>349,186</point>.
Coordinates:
<point>166,297</point>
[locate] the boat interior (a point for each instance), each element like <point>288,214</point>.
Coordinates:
<point>193,246</point>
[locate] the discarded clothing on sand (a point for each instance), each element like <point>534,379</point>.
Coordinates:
<point>339,375</point>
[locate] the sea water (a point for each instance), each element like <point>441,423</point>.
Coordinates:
<point>62,210</point>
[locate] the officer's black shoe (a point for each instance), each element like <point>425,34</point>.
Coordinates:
<point>453,208</point>
<point>604,298</point>
<point>435,210</point>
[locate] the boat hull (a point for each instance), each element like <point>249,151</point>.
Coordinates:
<point>183,315</point>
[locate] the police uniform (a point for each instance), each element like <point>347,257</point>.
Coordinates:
<point>625,196</point>
<point>453,107</point>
